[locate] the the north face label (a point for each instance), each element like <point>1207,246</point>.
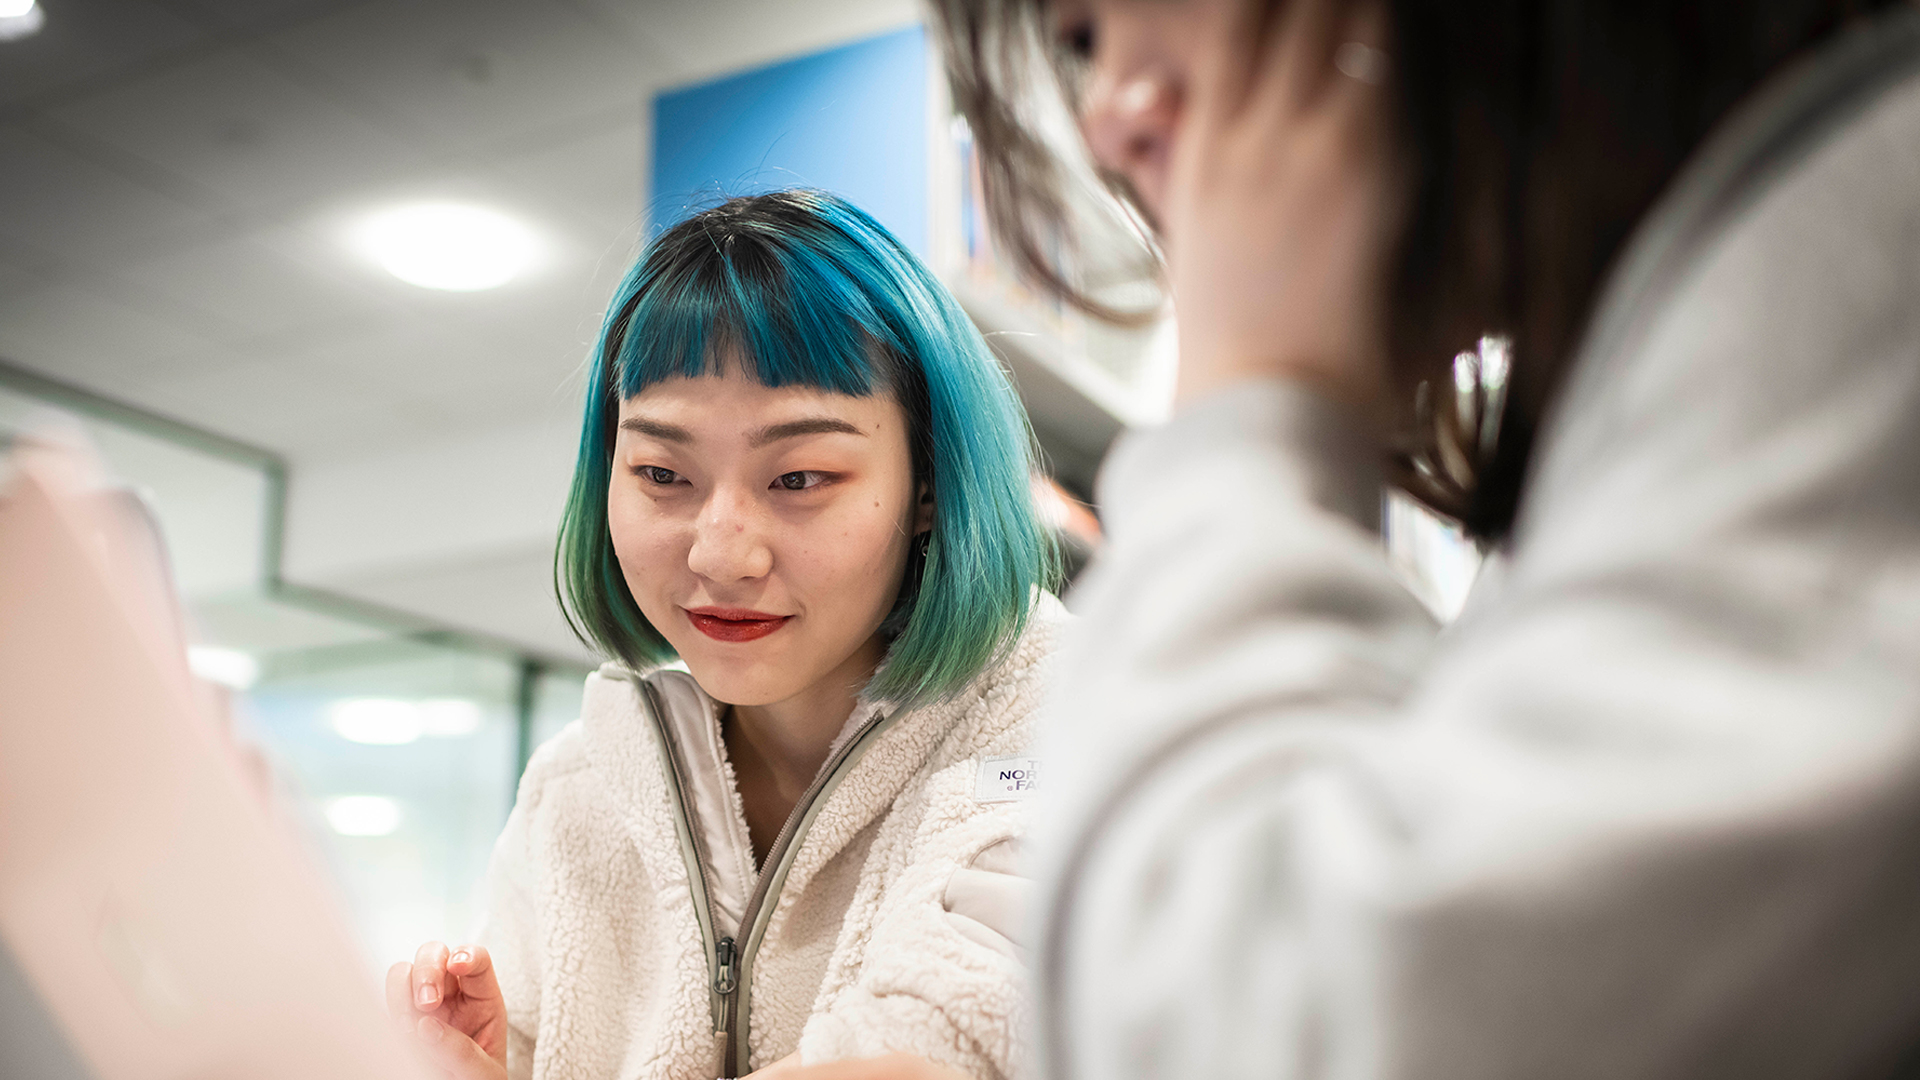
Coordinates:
<point>1006,779</point>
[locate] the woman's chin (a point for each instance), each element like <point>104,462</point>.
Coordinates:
<point>738,681</point>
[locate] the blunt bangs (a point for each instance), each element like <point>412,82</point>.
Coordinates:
<point>800,288</point>
<point>762,290</point>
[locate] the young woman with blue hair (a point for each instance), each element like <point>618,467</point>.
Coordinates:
<point>804,477</point>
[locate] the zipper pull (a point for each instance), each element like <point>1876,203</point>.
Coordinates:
<point>725,974</point>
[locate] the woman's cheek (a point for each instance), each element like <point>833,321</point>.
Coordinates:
<point>639,540</point>
<point>881,558</point>
<point>833,566</point>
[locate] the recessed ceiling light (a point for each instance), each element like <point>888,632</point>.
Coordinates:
<point>450,246</point>
<point>376,721</point>
<point>19,18</point>
<point>363,815</point>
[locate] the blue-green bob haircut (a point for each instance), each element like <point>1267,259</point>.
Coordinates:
<point>803,289</point>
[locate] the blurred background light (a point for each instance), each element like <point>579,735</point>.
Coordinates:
<point>230,668</point>
<point>449,718</point>
<point>19,18</point>
<point>363,815</point>
<point>393,722</point>
<point>376,721</point>
<point>448,246</point>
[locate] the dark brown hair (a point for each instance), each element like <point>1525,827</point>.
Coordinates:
<point>1537,132</point>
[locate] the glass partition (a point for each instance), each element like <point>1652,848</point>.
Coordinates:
<point>404,756</point>
<point>399,746</point>
<point>213,510</point>
<point>556,704</point>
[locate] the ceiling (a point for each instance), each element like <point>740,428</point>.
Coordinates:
<point>176,178</point>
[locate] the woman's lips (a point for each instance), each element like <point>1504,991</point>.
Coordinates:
<point>735,624</point>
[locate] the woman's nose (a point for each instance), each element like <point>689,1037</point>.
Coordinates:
<point>1128,122</point>
<point>728,542</point>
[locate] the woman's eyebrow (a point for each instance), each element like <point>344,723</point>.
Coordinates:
<point>640,425</point>
<point>812,425</point>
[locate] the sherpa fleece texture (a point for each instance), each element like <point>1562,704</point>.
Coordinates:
<point>592,923</point>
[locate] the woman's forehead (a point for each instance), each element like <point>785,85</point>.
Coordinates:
<point>733,406</point>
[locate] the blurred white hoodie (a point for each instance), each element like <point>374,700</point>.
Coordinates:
<point>1652,808</point>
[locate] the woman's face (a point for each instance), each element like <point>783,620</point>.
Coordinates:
<point>763,531</point>
<point>1139,55</point>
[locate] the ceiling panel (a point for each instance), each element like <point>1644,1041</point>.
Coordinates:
<point>235,125</point>
<point>83,42</point>
<point>508,594</point>
<point>713,36</point>
<point>460,374</point>
<point>64,205</point>
<point>230,16</point>
<point>464,75</point>
<point>260,285</point>
<point>73,332</point>
<point>552,299</point>
<point>16,278</point>
<point>282,401</point>
<point>596,177</point>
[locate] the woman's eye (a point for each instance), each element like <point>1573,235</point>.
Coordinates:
<point>1077,39</point>
<point>797,481</point>
<point>657,475</point>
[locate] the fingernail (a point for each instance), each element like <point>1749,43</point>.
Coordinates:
<point>462,956</point>
<point>430,1029</point>
<point>428,994</point>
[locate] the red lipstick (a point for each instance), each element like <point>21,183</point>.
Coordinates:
<point>734,624</point>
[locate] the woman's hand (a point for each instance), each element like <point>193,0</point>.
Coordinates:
<point>891,1067</point>
<point>450,1005</point>
<point>1282,202</point>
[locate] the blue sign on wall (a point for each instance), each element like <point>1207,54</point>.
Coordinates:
<point>851,120</point>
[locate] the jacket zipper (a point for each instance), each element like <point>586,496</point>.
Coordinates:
<point>730,958</point>
<point>773,874</point>
<point>726,980</point>
<point>693,852</point>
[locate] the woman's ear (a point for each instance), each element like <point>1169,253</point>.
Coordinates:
<point>923,509</point>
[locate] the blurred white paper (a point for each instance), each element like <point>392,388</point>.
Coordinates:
<point>157,905</point>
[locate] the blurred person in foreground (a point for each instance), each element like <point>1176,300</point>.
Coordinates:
<point>803,477</point>
<point>1651,808</point>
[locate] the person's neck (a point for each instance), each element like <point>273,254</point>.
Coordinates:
<point>777,749</point>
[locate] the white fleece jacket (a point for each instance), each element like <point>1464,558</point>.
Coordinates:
<point>1651,809</point>
<point>608,962</point>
